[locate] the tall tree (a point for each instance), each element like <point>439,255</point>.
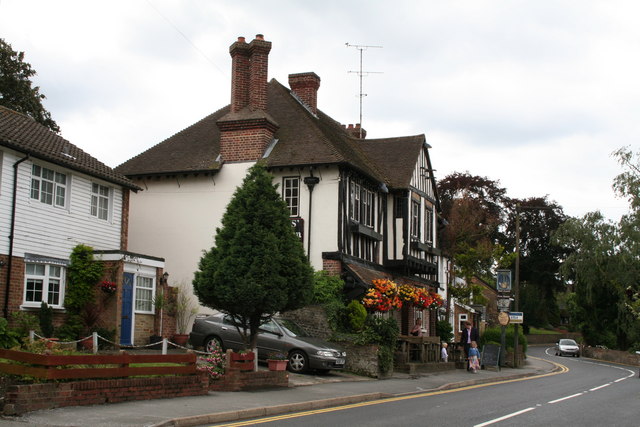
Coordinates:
<point>257,267</point>
<point>474,208</point>
<point>539,258</point>
<point>16,91</point>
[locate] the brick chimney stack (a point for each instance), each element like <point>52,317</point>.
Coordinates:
<point>249,68</point>
<point>247,130</point>
<point>355,131</point>
<point>305,86</point>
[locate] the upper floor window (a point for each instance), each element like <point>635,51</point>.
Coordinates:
<point>361,208</point>
<point>144,294</point>
<point>428,224</point>
<point>291,194</point>
<point>43,282</point>
<point>100,201</point>
<point>415,219</point>
<point>48,186</point>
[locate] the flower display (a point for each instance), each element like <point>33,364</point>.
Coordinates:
<point>383,296</point>
<point>212,363</point>
<point>386,295</point>
<point>108,287</point>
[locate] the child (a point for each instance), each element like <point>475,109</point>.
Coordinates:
<point>443,353</point>
<point>474,357</point>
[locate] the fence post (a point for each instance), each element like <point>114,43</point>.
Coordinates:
<point>32,336</point>
<point>164,346</point>
<point>95,343</point>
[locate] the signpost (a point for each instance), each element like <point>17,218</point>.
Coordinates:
<point>516,317</point>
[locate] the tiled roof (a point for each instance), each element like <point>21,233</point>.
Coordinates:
<point>396,156</point>
<point>303,140</point>
<point>23,134</point>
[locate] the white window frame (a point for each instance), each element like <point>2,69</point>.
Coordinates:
<point>461,319</point>
<point>291,194</point>
<point>52,275</point>
<point>48,182</point>
<point>100,201</point>
<point>415,219</point>
<point>144,294</point>
<point>428,224</point>
<point>367,207</point>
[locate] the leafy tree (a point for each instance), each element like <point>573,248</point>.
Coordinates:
<point>258,266</point>
<point>539,258</point>
<point>16,91</point>
<point>475,209</point>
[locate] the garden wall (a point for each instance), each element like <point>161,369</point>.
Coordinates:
<point>533,339</point>
<point>362,359</point>
<point>616,356</point>
<point>236,380</point>
<point>23,398</point>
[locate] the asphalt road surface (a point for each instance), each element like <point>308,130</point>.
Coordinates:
<point>583,393</point>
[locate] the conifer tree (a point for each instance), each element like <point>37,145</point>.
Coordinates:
<point>257,267</point>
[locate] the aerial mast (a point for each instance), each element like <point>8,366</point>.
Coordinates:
<point>362,73</point>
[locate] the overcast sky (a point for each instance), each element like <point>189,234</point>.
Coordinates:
<point>535,94</point>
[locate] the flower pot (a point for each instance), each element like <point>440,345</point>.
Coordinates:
<point>242,361</point>
<point>181,339</point>
<point>277,365</point>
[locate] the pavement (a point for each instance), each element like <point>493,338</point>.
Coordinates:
<point>305,392</point>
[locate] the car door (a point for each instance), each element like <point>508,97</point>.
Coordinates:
<point>229,334</point>
<point>270,340</point>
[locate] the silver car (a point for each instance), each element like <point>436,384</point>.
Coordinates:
<point>567,347</point>
<point>276,336</point>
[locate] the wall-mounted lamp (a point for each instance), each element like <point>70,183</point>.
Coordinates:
<point>164,278</point>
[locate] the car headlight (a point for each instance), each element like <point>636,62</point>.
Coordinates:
<point>324,353</point>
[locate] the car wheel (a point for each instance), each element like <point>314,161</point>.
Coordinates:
<point>298,362</point>
<point>211,343</point>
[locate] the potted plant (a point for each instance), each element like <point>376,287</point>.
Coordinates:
<point>277,361</point>
<point>185,311</point>
<point>243,360</point>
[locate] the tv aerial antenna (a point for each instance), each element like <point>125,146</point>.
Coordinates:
<point>362,73</point>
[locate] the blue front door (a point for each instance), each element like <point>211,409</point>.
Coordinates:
<point>126,318</point>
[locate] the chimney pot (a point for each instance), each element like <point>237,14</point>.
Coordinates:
<point>259,37</point>
<point>241,39</point>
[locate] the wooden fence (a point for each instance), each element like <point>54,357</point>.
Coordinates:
<point>53,367</point>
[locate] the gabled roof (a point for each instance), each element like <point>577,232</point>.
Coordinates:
<point>303,139</point>
<point>23,134</point>
<point>396,156</point>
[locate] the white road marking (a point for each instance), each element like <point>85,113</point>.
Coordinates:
<point>599,387</point>
<point>565,398</point>
<point>496,420</point>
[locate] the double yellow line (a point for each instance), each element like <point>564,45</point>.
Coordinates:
<point>561,369</point>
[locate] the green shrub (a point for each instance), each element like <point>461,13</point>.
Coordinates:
<point>327,288</point>
<point>45,317</point>
<point>383,332</point>
<point>8,337</point>
<point>24,323</point>
<point>444,330</point>
<point>357,315</point>
<point>494,335</point>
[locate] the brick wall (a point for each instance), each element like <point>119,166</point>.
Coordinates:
<point>143,329</point>
<point>332,266</point>
<point>23,398</point>
<point>312,318</point>
<point>236,380</point>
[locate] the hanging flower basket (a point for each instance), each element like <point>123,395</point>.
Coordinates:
<point>108,287</point>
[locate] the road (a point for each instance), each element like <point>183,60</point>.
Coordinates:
<point>584,393</point>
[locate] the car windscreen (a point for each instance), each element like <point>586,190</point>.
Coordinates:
<point>567,342</point>
<point>291,328</point>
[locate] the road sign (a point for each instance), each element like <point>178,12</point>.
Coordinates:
<point>516,317</point>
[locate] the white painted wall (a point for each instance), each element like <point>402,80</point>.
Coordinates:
<point>51,231</point>
<point>177,218</point>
